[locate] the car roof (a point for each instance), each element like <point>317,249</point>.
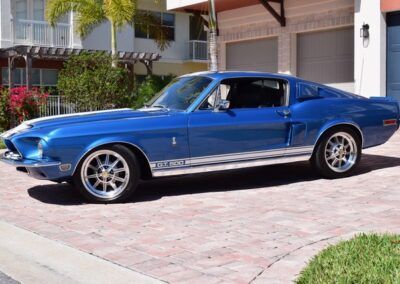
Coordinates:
<point>235,74</point>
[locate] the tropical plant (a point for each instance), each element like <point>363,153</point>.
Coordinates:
<point>4,109</point>
<point>89,81</point>
<point>24,103</point>
<point>149,88</point>
<point>213,36</point>
<point>91,13</point>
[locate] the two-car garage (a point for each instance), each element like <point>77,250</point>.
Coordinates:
<point>323,56</point>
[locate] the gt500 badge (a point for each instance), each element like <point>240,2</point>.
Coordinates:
<point>170,164</point>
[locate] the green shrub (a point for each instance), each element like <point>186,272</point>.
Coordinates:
<point>364,259</point>
<point>4,109</point>
<point>91,82</point>
<point>149,88</point>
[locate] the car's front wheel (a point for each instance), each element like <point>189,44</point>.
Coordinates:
<point>109,174</point>
<point>337,153</point>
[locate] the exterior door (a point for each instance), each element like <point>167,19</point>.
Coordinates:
<point>393,55</point>
<point>237,131</point>
<point>250,129</point>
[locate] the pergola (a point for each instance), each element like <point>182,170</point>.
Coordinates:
<point>30,53</point>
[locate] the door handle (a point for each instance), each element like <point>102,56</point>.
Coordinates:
<point>284,112</point>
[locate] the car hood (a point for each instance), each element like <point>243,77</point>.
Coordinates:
<point>84,117</point>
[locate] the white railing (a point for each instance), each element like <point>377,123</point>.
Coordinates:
<point>41,33</point>
<point>198,50</point>
<point>56,105</point>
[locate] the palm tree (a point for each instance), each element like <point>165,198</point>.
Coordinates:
<point>91,13</point>
<point>213,36</point>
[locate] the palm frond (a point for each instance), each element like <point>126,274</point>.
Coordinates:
<point>89,16</point>
<point>89,13</point>
<point>56,9</point>
<point>120,12</point>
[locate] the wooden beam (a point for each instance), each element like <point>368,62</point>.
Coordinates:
<point>280,18</point>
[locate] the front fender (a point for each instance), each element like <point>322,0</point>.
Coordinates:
<point>106,141</point>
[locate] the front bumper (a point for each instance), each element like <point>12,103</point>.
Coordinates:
<point>40,169</point>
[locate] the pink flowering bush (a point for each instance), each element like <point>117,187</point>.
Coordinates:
<point>24,103</point>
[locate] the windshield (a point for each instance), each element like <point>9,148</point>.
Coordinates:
<point>180,93</point>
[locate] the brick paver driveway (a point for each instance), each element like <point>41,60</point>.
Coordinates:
<point>257,225</point>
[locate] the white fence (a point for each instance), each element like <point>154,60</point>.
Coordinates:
<point>198,50</point>
<point>41,33</point>
<point>56,105</point>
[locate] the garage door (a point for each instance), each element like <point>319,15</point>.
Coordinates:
<point>253,55</point>
<point>326,57</point>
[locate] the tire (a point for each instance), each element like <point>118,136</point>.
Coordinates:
<point>337,153</point>
<point>107,175</point>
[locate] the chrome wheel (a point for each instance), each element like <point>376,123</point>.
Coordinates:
<point>341,152</point>
<point>105,174</point>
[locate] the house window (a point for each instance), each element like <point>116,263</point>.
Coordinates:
<point>38,10</point>
<point>196,29</point>
<point>21,9</point>
<point>40,77</point>
<point>161,20</point>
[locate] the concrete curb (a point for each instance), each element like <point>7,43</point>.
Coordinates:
<point>30,258</point>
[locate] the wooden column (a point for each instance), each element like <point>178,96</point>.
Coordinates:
<point>149,66</point>
<point>28,71</point>
<point>11,68</point>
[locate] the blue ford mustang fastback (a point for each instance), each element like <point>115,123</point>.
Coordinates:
<point>200,123</point>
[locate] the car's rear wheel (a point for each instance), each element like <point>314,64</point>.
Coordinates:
<point>109,174</point>
<point>337,153</point>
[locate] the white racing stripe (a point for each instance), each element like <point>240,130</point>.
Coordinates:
<point>235,157</point>
<point>28,124</point>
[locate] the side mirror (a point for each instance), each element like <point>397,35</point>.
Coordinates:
<point>223,105</point>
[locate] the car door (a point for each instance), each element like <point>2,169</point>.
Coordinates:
<point>256,125</point>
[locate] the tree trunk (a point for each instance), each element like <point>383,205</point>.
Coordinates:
<point>114,45</point>
<point>213,52</point>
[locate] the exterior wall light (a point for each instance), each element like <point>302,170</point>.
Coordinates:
<point>364,31</point>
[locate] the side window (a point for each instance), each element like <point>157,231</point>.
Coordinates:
<point>249,93</point>
<point>257,93</point>
<point>307,91</point>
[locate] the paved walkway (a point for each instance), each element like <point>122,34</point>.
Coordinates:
<point>253,225</point>
<point>30,258</point>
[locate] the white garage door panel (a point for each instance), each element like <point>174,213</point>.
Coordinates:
<point>326,57</point>
<point>254,55</point>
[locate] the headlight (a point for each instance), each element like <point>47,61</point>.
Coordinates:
<point>40,149</point>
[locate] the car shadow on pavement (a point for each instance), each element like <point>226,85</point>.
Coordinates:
<point>244,179</point>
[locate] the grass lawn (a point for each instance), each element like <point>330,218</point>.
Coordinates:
<point>2,146</point>
<point>367,258</point>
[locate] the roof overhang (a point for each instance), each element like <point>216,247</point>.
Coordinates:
<point>390,5</point>
<point>202,5</point>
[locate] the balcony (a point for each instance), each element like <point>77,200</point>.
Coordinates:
<point>198,50</point>
<point>29,32</point>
